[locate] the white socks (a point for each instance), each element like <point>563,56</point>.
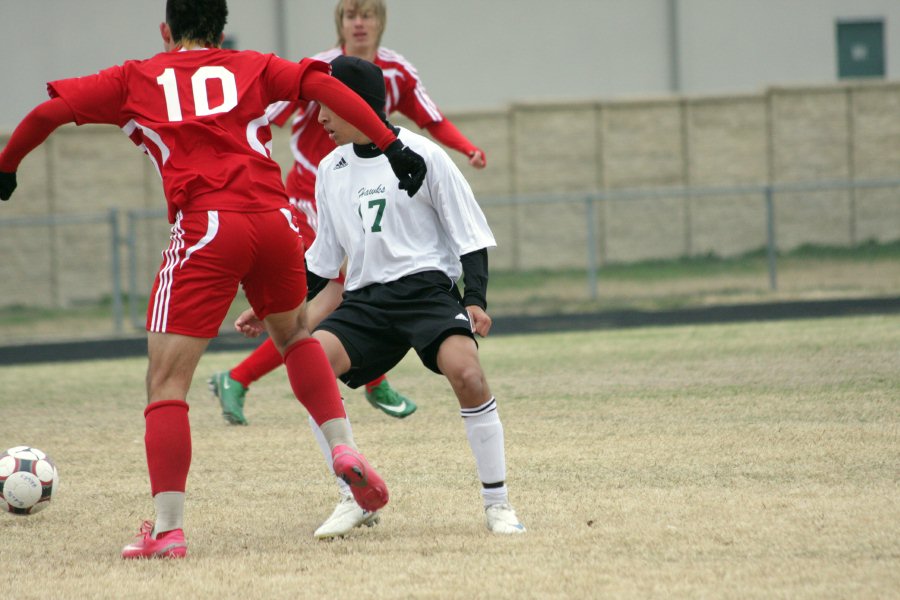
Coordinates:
<point>485,433</point>
<point>169,512</point>
<point>337,432</point>
<point>325,447</point>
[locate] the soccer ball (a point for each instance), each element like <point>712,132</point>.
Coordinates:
<point>28,479</point>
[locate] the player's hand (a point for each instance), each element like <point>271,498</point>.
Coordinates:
<point>7,185</point>
<point>480,320</point>
<point>477,158</point>
<point>408,166</point>
<point>249,324</point>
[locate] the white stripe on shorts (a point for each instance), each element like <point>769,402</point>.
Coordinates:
<point>212,228</point>
<point>160,313</point>
<point>163,296</point>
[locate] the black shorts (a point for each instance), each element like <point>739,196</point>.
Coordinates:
<point>379,323</point>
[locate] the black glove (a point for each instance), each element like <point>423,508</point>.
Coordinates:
<point>8,184</point>
<point>408,166</point>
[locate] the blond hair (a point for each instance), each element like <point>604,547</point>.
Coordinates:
<point>376,6</point>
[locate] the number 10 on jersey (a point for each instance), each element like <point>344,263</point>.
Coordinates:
<point>199,81</point>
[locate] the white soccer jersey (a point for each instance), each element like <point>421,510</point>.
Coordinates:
<point>384,233</point>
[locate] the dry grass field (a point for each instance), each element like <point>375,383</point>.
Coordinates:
<point>724,461</point>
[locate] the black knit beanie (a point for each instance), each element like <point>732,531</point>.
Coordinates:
<point>364,78</point>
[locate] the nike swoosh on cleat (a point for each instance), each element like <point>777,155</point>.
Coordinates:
<point>393,409</point>
<point>166,549</point>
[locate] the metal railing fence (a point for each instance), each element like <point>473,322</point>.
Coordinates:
<point>767,193</point>
<point>111,219</point>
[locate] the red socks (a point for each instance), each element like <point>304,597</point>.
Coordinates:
<point>313,380</point>
<point>261,361</point>
<point>374,383</point>
<point>167,436</point>
<point>168,441</point>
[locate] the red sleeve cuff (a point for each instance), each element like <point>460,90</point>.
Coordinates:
<point>446,133</point>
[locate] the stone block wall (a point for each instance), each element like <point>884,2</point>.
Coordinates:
<point>662,172</point>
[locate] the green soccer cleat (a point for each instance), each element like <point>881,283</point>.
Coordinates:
<point>231,396</point>
<point>390,401</point>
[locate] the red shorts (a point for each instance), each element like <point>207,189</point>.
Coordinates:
<point>210,254</point>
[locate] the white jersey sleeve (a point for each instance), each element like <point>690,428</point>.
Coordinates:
<point>460,215</point>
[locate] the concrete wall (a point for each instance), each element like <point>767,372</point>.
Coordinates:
<point>473,54</point>
<point>546,155</point>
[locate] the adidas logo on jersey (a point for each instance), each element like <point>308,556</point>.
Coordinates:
<point>340,164</point>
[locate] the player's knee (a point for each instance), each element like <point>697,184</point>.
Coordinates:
<point>467,379</point>
<point>286,336</point>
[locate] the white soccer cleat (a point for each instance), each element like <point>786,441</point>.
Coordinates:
<point>346,517</point>
<point>501,518</point>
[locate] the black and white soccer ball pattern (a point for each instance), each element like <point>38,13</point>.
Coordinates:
<point>28,479</point>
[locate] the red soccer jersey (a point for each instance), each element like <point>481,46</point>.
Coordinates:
<point>309,142</point>
<point>200,115</point>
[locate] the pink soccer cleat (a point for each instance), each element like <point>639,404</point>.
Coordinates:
<point>169,544</point>
<point>368,488</point>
